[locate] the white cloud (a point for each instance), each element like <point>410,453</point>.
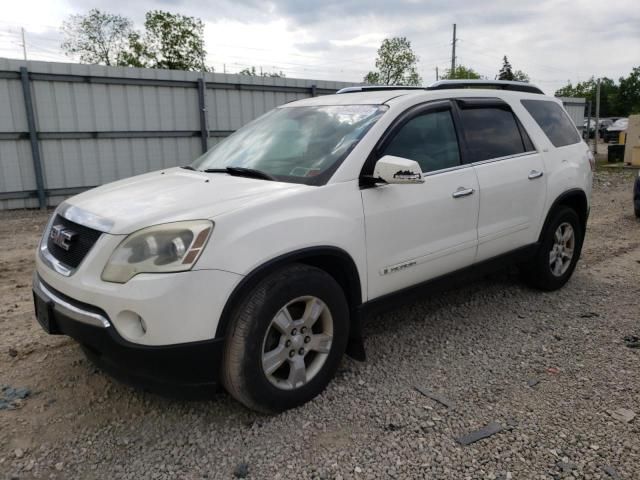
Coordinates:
<point>551,40</point>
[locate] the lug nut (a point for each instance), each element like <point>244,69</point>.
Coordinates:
<point>307,339</point>
<point>287,343</point>
<point>292,353</point>
<point>303,329</point>
<point>294,331</point>
<point>301,351</point>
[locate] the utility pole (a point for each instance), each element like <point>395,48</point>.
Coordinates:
<point>588,121</point>
<point>453,52</point>
<point>24,44</point>
<point>202,104</point>
<point>595,140</point>
<point>437,75</point>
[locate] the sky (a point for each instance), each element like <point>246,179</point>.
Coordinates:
<point>553,41</point>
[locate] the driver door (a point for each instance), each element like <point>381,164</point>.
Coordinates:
<point>416,232</point>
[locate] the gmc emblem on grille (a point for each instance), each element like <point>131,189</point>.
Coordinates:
<point>62,236</point>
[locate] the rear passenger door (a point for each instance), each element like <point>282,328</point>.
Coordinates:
<point>510,175</point>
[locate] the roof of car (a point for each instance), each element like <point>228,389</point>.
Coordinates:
<point>453,84</point>
<point>359,98</point>
<point>392,96</point>
<point>384,94</point>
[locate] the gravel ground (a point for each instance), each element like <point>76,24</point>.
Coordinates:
<point>548,367</point>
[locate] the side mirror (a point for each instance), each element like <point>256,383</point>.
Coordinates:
<point>397,170</point>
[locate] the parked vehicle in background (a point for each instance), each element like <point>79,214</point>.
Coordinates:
<point>253,266</point>
<point>591,126</point>
<point>612,132</point>
<point>603,124</point>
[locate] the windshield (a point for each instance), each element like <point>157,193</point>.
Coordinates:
<point>295,144</point>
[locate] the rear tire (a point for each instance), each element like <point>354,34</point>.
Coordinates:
<point>286,339</point>
<point>636,197</point>
<point>558,254</point>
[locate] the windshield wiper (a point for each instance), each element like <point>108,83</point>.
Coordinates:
<point>189,167</point>
<point>242,172</point>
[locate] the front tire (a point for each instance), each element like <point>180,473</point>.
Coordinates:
<point>286,339</point>
<point>558,254</point>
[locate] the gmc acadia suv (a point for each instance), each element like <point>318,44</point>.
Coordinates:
<point>253,266</point>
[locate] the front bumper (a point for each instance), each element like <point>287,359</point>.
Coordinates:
<point>160,368</point>
<point>150,309</point>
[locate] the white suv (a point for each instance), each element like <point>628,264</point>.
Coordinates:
<point>253,266</point>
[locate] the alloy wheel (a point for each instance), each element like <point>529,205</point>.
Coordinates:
<point>297,342</point>
<point>561,254</point>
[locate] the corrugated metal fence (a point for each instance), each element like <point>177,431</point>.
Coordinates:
<point>67,127</point>
<point>575,108</point>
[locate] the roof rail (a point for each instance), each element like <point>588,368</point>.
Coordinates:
<point>377,88</point>
<point>490,84</point>
<point>451,84</point>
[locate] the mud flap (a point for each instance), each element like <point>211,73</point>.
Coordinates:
<point>355,345</point>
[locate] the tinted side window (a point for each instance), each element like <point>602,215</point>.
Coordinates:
<point>491,132</point>
<point>429,139</point>
<point>553,121</point>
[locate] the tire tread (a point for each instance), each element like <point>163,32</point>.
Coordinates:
<point>535,273</point>
<point>240,331</point>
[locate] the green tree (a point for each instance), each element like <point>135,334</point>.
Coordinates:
<point>610,104</point>
<point>97,37</point>
<point>135,55</point>
<point>395,65</point>
<point>170,40</point>
<point>461,73</point>
<point>569,90</point>
<point>251,71</point>
<point>505,73</point>
<point>520,76</point>
<point>629,93</point>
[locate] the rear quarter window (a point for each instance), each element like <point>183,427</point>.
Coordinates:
<point>553,121</point>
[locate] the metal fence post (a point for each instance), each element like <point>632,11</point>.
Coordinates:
<point>33,137</point>
<point>202,107</point>
<point>595,141</point>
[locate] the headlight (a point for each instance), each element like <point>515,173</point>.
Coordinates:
<point>171,247</point>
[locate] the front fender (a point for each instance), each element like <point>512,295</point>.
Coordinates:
<point>327,216</point>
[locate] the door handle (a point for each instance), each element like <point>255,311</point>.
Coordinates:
<point>462,192</point>
<point>533,174</point>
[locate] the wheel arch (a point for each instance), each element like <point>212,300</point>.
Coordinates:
<point>333,260</point>
<point>575,199</point>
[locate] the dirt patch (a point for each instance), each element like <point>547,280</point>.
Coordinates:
<point>547,367</point>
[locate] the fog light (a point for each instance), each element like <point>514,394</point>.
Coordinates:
<point>130,324</point>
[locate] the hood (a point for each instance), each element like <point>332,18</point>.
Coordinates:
<point>169,195</point>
